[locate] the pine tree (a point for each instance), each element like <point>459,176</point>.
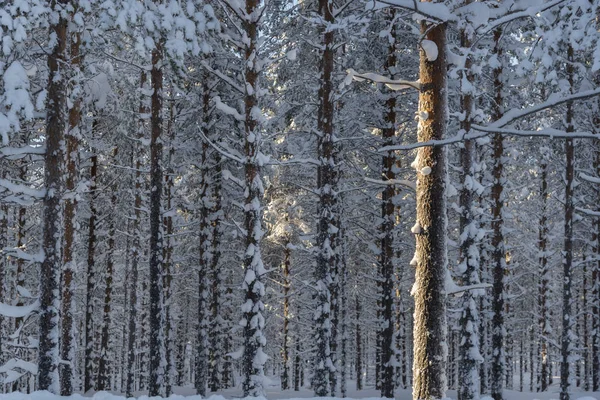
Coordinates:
<point>56,123</point>
<point>429,329</point>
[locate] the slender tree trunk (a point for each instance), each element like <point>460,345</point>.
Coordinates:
<point>90,356</point>
<point>498,368</point>
<point>584,326</point>
<point>429,329</point>
<point>388,217</point>
<point>358,344</point>
<point>567,320</point>
<point>157,348</point>
<point>285,352</point>
<point>544,280</point>
<point>56,123</point>
<point>103,360</point>
<point>135,253</point>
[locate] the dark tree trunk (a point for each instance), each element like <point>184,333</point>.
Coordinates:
<point>326,180</point>
<point>498,368</point>
<point>358,364</point>
<point>135,252</point>
<point>90,356</point>
<point>156,372</point>
<point>285,351</point>
<point>56,123</point>
<point>429,329</point>
<point>103,359</point>
<point>253,358</point>
<point>69,263</point>
<point>388,217</point>
<point>567,320</point>
<point>468,352</point>
<point>544,280</point>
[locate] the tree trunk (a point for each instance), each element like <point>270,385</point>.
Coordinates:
<point>157,350</point>
<point>567,324</point>
<point>326,180</point>
<point>253,322</point>
<point>103,360</point>
<point>468,352</point>
<point>358,344</point>
<point>388,217</point>
<point>69,264</point>
<point>56,123</point>
<point>285,351</point>
<point>544,280</point>
<point>498,368</point>
<point>90,356</point>
<point>135,252</point>
<point>430,330</point>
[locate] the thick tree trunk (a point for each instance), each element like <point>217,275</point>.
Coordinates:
<point>157,350</point>
<point>430,330</point>
<point>253,357</point>
<point>69,263</point>
<point>498,368</point>
<point>326,180</point>
<point>56,123</point>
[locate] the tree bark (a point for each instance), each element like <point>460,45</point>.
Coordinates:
<point>498,368</point>
<point>56,123</point>
<point>253,322</point>
<point>157,350</point>
<point>567,319</point>
<point>326,181</point>
<point>90,356</point>
<point>430,330</point>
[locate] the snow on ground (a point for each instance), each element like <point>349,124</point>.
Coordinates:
<point>273,392</point>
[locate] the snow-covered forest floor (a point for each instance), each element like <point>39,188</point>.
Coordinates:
<point>274,392</point>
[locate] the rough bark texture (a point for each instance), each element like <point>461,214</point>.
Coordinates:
<point>326,180</point>
<point>103,359</point>
<point>135,252</point>
<point>430,330</point>
<point>69,262</point>
<point>156,372</point>
<point>253,322</point>
<point>468,352</point>
<point>90,356</point>
<point>56,123</point>
<point>498,368</point>
<point>386,231</point>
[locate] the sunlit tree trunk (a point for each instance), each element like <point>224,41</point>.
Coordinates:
<point>429,329</point>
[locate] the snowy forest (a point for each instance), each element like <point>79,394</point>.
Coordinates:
<point>325,196</point>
